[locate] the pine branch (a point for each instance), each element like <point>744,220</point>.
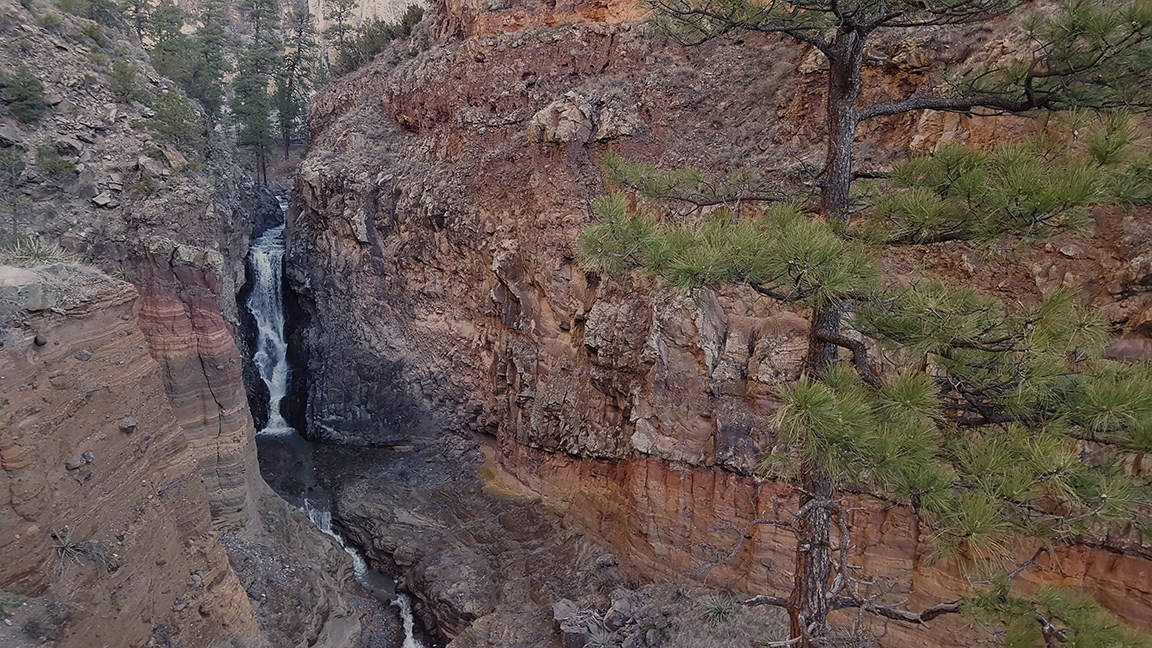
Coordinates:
<point>898,614</point>
<point>859,355</point>
<point>764,599</point>
<point>949,104</point>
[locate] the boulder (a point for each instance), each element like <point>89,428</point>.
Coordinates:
<point>69,147</point>
<point>10,136</point>
<point>568,119</point>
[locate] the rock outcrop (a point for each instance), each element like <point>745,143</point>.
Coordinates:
<point>432,241</point>
<point>102,510</point>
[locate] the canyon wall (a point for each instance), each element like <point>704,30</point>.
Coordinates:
<point>174,223</point>
<point>432,242</point>
<point>104,511</point>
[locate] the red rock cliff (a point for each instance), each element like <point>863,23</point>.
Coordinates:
<point>433,237</point>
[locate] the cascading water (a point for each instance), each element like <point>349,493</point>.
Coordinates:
<point>266,303</point>
<point>267,307</point>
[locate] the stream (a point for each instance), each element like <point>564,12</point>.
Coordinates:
<point>292,472</point>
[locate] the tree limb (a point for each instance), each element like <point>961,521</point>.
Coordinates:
<point>897,614</point>
<point>764,599</point>
<point>859,355</point>
<point>949,104</point>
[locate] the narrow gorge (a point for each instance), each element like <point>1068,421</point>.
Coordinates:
<point>387,399</point>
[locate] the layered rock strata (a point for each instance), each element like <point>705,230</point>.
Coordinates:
<point>103,511</point>
<point>432,240</point>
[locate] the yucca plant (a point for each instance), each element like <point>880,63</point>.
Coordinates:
<point>30,251</point>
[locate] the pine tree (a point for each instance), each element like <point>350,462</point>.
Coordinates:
<point>252,107</point>
<point>210,46</point>
<point>177,122</point>
<point>137,13</point>
<point>296,78</point>
<point>251,102</point>
<point>977,429</point>
<point>339,14</point>
<point>170,45</point>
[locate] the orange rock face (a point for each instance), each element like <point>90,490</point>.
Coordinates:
<point>679,521</point>
<point>180,315</point>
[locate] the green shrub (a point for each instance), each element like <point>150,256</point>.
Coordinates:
<point>75,7</point>
<point>9,602</point>
<point>122,81</point>
<point>49,160</point>
<point>69,549</point>
<point>719,609</point>
<point>49,20</point>
<point>23,95</point>
<point>177,122</point>
<point>373,36</point>
<point>95,33</point>
<point>99,59</point>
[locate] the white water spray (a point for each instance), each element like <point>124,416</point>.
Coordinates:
<point>267,306</point>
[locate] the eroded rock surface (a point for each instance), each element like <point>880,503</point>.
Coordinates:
<point>433,243</point>
<point>124,199</point>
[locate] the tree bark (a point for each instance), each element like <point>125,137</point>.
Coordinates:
<point>845,59</point>
<point>811,603</point>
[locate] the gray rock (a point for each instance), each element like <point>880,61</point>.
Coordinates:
<point>83,355</point>
<point>103,200</point>
<point>568,119</point>
<point>88,457</point>
<point>69,147</point>
<point>73,464</point>
<point>26,290</point>
<point>10,137</point>
<point>564,609</point>
<point>153,167</point>
<point>128,425</point>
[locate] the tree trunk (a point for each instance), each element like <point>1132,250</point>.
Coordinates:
<point>845,58</point>
<point>261,164</point>
<point>810,601</point>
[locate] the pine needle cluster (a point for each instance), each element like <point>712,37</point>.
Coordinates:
<point>1052,616</point>
<point>1087,53</point>
<point>781,250</point>
<point>1032,188</point>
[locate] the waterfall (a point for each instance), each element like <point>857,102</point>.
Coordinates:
<point>267,306</point>
<point>266,303</point>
